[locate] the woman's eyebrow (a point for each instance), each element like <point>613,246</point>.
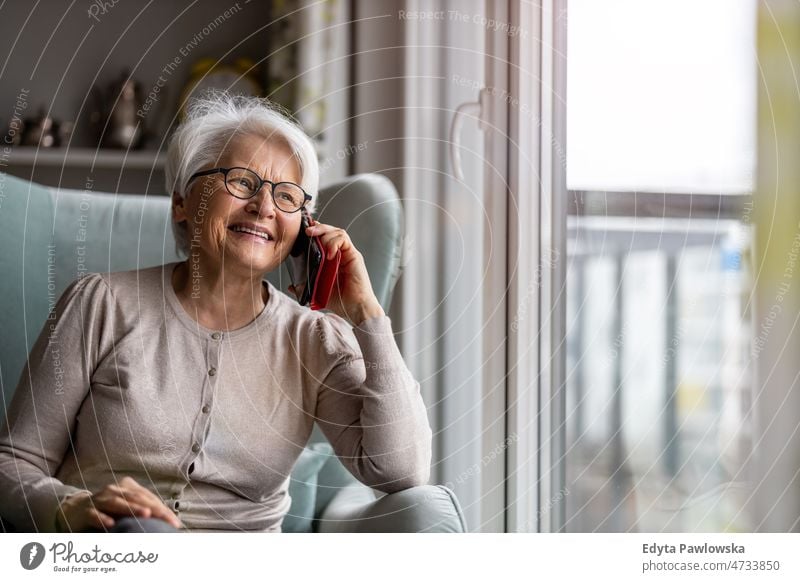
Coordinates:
<point>264,175</point>
<point>276,179</point>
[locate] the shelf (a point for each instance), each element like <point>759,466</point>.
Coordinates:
<point>86,157</point>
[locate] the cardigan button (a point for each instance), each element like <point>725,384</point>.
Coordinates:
<point>212,372</point>
<point>195,448</point>
<point>216,335</point>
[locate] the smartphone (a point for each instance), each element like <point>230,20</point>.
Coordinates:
<point>311,273</point>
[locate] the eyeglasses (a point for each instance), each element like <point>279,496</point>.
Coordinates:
<point>244,184</point>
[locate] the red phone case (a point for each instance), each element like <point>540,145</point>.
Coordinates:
<point>325,280</point>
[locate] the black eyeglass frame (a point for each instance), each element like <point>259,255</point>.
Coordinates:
<point>224,171</point>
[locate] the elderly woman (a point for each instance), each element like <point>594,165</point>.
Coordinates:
<point>190,389</point>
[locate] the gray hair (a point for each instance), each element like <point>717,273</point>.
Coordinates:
<point>212,120</point>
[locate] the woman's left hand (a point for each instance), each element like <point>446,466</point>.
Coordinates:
<point>352,296</point>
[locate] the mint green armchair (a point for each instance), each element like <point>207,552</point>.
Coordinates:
<point>50,236</point>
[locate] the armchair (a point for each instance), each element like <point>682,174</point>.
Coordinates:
<point>50,236</point>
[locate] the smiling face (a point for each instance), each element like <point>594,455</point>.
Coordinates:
<point>250,236</point>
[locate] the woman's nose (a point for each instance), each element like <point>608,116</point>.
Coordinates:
<point>262,203</point>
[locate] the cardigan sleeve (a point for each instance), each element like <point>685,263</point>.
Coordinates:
<point>369,405</point>
<point>40,419</point>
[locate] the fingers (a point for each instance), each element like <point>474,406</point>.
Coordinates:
<point>140,494</point>
<point>124,504</point>
<point>131,498</point>
<point>163,512</point>
<point>333,239</point>
<point>149,499</point>
<point>334,245</point>
<point>157,509</point>
<point>318,229</point>
<point>97,519</point>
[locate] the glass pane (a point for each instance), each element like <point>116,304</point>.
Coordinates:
<point>657,374</point>
<point>661,95</point>
<point>661,99</point>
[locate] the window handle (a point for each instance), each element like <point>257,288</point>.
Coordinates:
<point>477,109</point>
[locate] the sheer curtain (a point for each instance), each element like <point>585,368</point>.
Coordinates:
<point>411,73</point>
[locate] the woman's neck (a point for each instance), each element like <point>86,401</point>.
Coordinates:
<point>217,298</point>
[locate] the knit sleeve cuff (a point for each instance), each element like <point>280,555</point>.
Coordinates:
<point>46,511</point>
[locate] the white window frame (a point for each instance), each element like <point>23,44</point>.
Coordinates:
<point>536,218</point>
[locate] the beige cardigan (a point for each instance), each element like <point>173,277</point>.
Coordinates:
<point>122,381</point>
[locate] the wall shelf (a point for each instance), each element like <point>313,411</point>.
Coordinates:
<point>88,157</point>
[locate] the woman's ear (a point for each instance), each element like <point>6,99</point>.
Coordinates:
<point>178,209</point>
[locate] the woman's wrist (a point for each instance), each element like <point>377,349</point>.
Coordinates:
<point>60,525</point>
<point>366,311</point>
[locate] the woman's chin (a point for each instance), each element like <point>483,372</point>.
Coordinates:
<point>260,260</point>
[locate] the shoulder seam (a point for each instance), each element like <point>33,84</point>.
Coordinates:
<point>107,285</point>
<point>347,354</point>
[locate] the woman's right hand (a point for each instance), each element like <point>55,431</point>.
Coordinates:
<point>84,511</point>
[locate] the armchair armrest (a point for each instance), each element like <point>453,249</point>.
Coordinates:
<point>427,508</point>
